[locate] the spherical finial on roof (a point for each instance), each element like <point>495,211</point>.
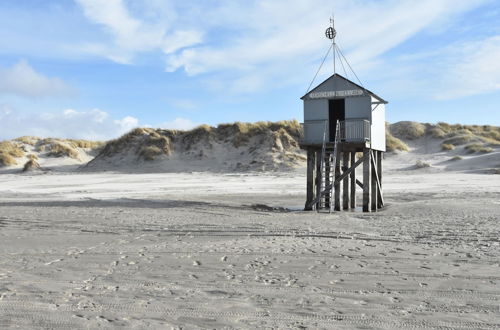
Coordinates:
<point>330,33</point>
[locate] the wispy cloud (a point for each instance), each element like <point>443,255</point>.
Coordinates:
<point>131,35</point>
<point>268,39</point>
<point>473,68</point>
<point>92,124</point>
<point>22,80</point>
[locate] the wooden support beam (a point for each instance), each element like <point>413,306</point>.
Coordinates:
<point>359,183</point>
<point>353,181</point>
<point>327,180</point>
<point>336,185</point>
<point>337,181</point>
<point>345,182</point>
<point>367,178</point>
<point>311,164</point>
<point>374,187</point>
<point>377,181</point>
<point>318,178</point>
<point>379,175</point>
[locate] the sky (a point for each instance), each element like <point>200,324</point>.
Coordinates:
<point>95,69</point>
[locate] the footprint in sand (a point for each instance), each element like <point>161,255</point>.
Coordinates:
<point>53,262</point>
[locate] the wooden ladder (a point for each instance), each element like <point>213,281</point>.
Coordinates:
<point>327,170</point>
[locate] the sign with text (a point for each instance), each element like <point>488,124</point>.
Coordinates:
<point>331,94</point>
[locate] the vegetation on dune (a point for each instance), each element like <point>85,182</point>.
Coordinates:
<point>7,160</point>
<point>455,134</point>
<point>447,147</point>
<point>477,147</point>
<point>422,164</point>
<point>408,130</point>
<point>462,134</point>
<point>242,133</point>
<point>31,165</point>
<point>84,144</point>
<point>150,152</point>
<point>59,149</point>
<point>147,143</point>
<point>9,151</point>
<point>30,140</point>
<point>393,143</point>
<point>456,158</point>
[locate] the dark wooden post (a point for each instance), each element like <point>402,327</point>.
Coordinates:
<point>311,165</point>
<point>318,177</point>
<point>367,179</point>
<point>345,183</point>
<point>374,192</point>
<point>327,180</point>
<point>353,181</point>
<point>337,186</point>
<point>379,172</point>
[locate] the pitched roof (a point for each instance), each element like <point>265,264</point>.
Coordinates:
<point>349,81</point>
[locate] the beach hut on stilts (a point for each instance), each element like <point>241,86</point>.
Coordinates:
<point>344,128</point>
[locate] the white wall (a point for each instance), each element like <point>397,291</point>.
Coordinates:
<point>378,126</point>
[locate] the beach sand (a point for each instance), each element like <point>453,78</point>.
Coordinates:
<point>202,250</point>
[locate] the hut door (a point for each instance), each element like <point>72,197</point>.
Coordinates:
<point>336,111</point>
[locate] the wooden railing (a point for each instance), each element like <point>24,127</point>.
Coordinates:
<point>355,130</point>
<point>351,130</point>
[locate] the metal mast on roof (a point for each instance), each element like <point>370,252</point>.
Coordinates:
<point>331,33</point>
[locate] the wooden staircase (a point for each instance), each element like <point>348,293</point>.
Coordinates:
<point>329,155</point>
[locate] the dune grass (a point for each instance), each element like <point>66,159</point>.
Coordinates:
<point>31,164</point>
<point>477,147</point>
<point>147,143</point>
<point>9,151</point>
<point>150,152</point>
<point>447,147</point>
<point>422,164</point>
<point>408,130</point>
<point>84,144</point>
<point>59,149</point>
<point>30,140</point>
<point>394,144</point>
<point>7,160</point>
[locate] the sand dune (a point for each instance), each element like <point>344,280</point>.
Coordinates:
<point>261,147</point>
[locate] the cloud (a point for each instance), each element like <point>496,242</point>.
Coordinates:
<point>131,35</point>
<point>92,124</point>
<point>471,69</point>
<point>22,80</point>
<point>179,123</point>
<point>264,40</point>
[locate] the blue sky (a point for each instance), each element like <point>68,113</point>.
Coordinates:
<point>97,68</point>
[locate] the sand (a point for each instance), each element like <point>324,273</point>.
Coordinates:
<point>202,250</point>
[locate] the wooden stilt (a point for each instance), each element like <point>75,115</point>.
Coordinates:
<point>318,177</point>
<point>374,189</point>
<point>379,172</point>
<point>336,187</point>
<point>345,182</point>
<point>327,181</point>
<point>353,181</point>
<point>311,165</point>
<point>367,179</point>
